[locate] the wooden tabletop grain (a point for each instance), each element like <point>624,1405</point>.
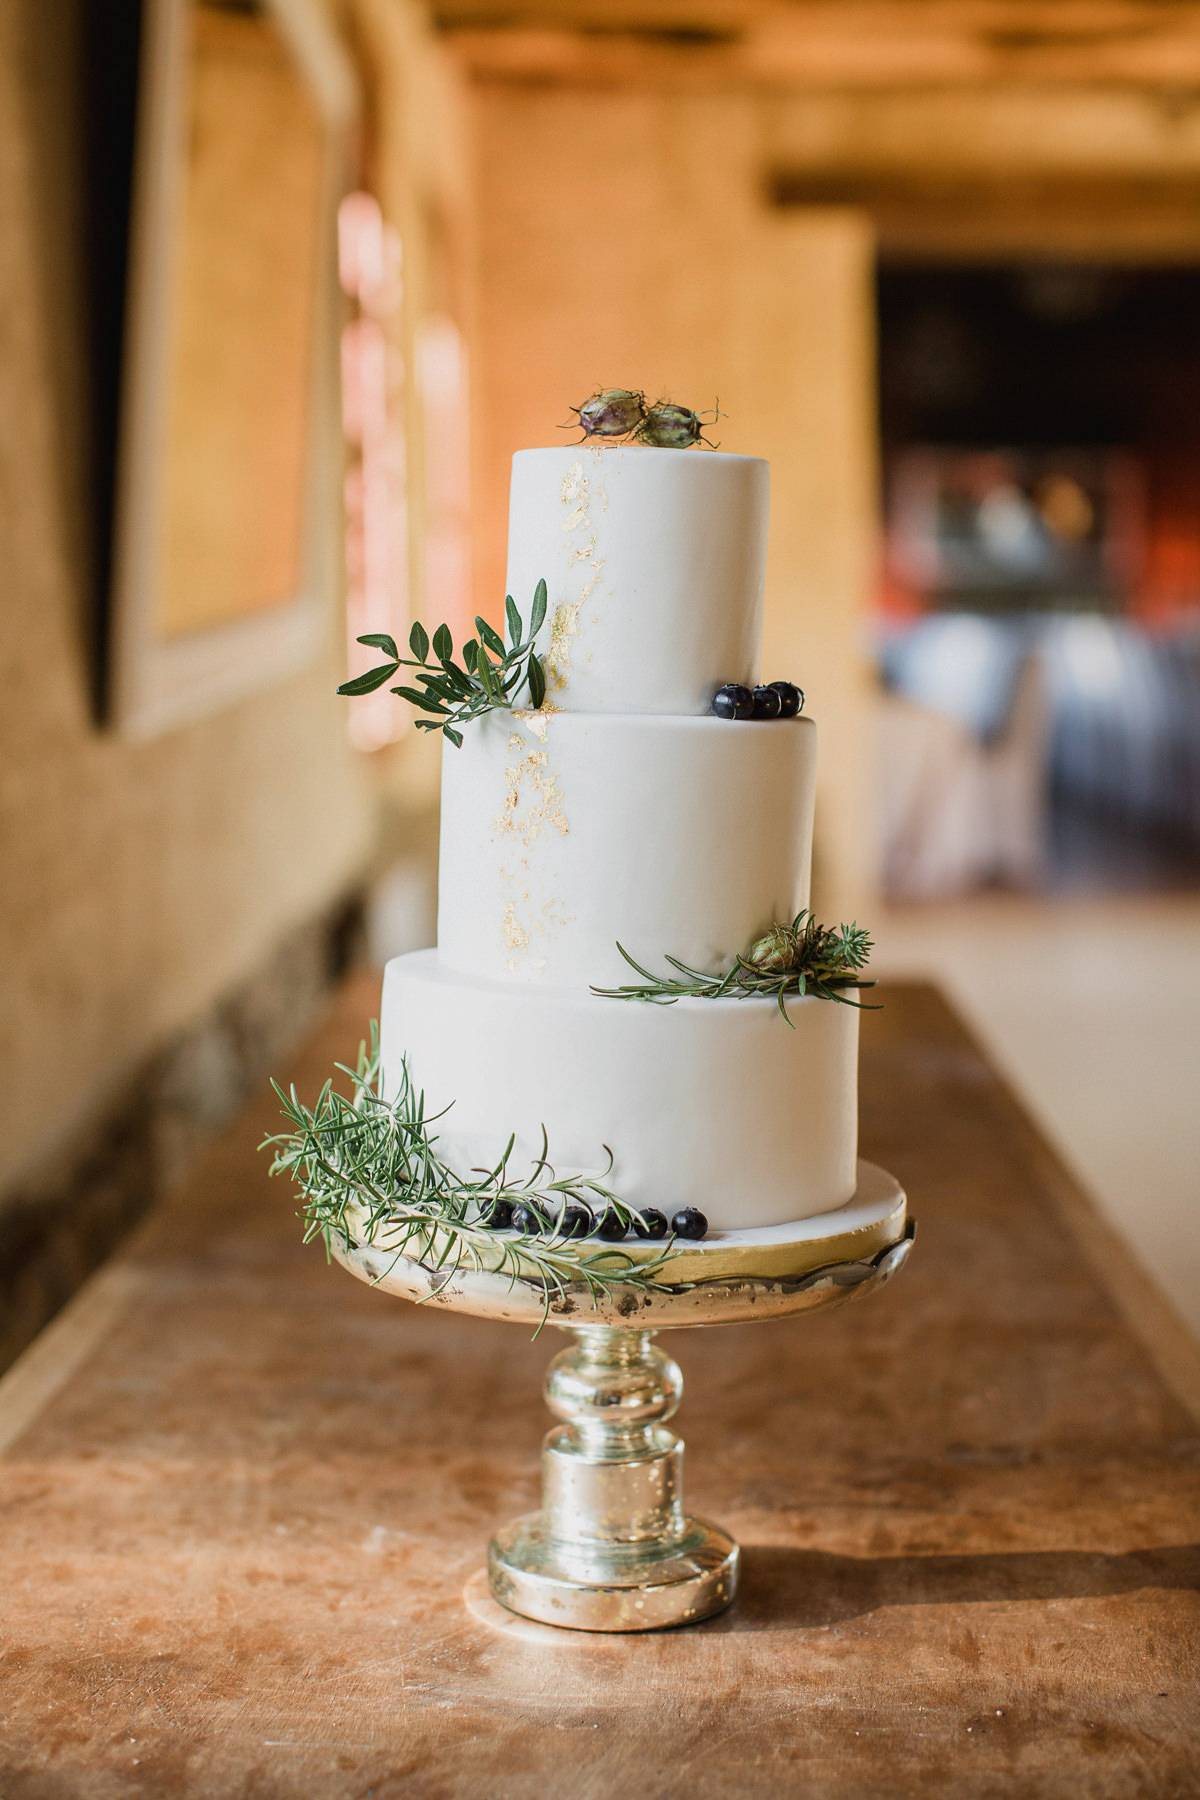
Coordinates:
<point>244,1502</point>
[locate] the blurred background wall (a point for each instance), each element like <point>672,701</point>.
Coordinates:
<point>627,229</point>
<point>938,263</point>
<point>171,911</point>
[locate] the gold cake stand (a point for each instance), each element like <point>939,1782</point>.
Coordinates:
<point>612,1548</point>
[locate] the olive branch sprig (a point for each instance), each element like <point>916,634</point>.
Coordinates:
<point>457,692</point>
<point>365,1164</point>
<point>801,958</point>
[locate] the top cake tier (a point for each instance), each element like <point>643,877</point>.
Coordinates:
<point>653,562</point>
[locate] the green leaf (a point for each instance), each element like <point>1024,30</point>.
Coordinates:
<point>417,699</point>
<point>487,678</point>
<point>490,636</point>
<point>366,684</point>
<point>379,640</point>
<point>454,736</point>
<point>465,691</point>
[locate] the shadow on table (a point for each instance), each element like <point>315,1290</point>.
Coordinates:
<point>782,1588</point>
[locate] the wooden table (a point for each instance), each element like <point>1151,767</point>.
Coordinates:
<point>242,1497</point>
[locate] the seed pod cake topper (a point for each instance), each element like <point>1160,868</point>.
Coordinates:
<point>622,413</point>
<point>668,426</point>
<point>611,413</point>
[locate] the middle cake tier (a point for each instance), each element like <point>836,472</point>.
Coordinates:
<point>564,834</point>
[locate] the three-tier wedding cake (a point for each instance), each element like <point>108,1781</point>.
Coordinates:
<point>622,811</point>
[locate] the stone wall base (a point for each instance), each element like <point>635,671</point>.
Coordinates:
<point>58,1227</point>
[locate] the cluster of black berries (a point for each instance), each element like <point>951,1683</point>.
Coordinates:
<point>778,700</point>
<point>576,1221</point>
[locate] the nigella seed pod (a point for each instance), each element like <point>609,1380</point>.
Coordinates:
<point>613,413</point>
<point>733,701</point>
<point>651,1223</point>
<point>610,1226</point>
<point>775,952</point>
<point>576,1221</point>
<point>670,427</point>
<point>791,698</point>
<point>767,703</point>
<point>689,1222</point>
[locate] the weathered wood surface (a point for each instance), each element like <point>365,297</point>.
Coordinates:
<point>238,1516</point>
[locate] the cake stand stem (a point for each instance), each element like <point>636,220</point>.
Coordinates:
<point>612,1549</point>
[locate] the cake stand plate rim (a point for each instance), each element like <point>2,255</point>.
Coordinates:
<point>720,1284</point>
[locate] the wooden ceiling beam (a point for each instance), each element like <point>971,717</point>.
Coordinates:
<point>967,216</point>
<point>831,43</point>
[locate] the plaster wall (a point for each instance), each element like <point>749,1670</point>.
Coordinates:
<point>624,240</point>
<point>137,883</point>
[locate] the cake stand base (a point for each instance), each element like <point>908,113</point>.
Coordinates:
<point>612,1549</point>
<point>526,1573</point>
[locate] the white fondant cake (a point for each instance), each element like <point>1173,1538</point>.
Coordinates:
<point>708,1103</point>
<point>624,811</point>
<point>568,833</point>
<point>654,561</point>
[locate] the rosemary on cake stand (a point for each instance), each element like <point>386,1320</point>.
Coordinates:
<point>612,1547</point>
<point>797,959</point>
<point>368,1166</point>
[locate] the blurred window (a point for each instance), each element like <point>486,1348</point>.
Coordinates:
<point>371,264</point>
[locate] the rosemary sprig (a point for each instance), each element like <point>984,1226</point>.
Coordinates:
<point>457,692</point>
<point>801,958</point>
<point>376,1159</point>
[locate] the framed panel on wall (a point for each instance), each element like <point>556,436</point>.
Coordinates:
<point>227,533</point>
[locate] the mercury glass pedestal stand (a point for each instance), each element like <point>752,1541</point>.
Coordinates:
<point>612,1548</point>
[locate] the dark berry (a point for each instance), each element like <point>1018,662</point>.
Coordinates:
<point>528,1220</point>
<point>610,1226</point>
<point>576,1221</point>
<point>651,1223</point>
<point>767,703</point>
<point>497,1216</point>
<point>733,701</point>
<point>689,1222</point>
<point>791,698</point>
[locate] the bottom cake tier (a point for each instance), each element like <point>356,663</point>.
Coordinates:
<point>709,1103</point>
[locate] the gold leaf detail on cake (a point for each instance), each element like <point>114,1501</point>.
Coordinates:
<point>515,935</point>
<point>545,807</point>
<point>564,625</point>
<point>536,722</point>
<point>563,628</point>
